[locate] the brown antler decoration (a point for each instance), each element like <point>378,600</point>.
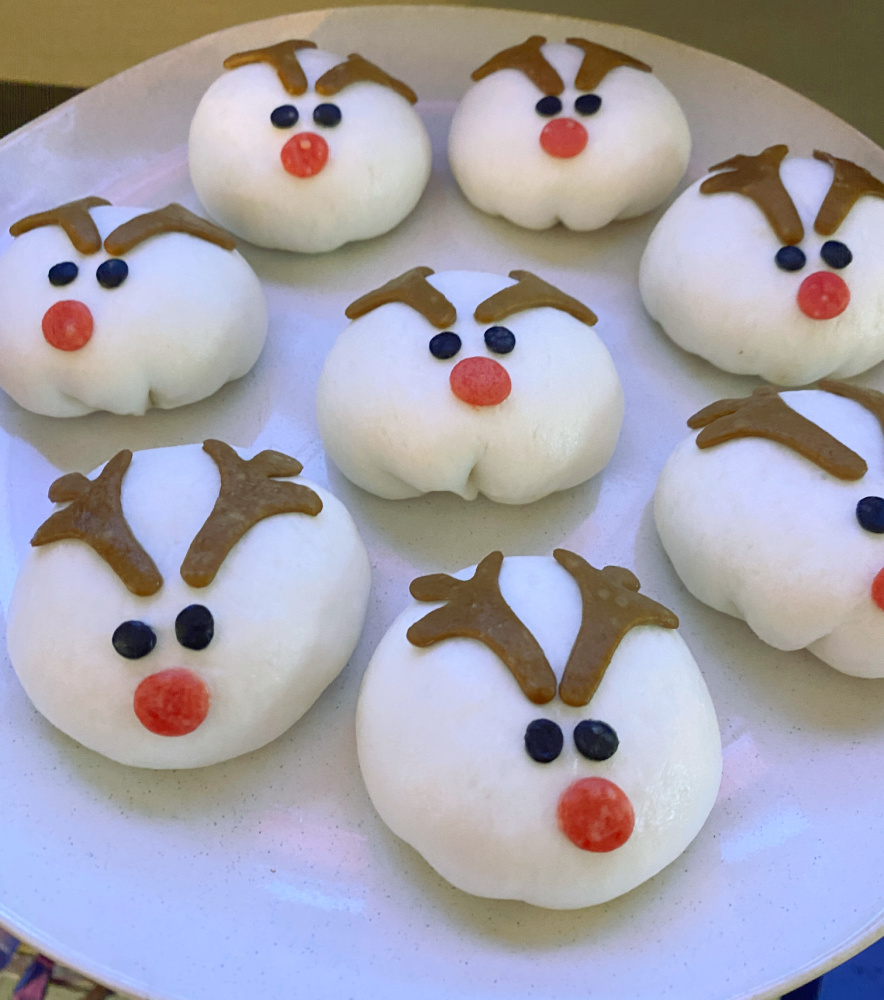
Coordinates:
<point>612,606</point>
<point>849,184</point>
<point>356,70</point>
<point>248,495</point>
<point>282,58</point>
<point>871,399</point>
<point>476,610</point>
<point>531,292</point>
<point>598,61</point>
<point>758,178</point>
<point>94,515</point>
<point>173,218</point>
<point>74,219</point>
<point>528,59</point>
<point>765,415</point>
<point>412,289</point>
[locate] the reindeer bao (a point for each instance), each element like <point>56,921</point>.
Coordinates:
<point>186,605</point>
<point>774,513</point>
<point>472,383</point>
<point>297,149</point>
<point>123,309</point>
<point>773,266</point>
<point>541,733</point>
<point>575,133</point>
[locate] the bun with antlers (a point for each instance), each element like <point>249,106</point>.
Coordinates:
<point>124,309</point>
<point>470,383</point>
<point>186,605</point>
<point>577,133</point>
<point>773,512</point>
<point>537,729</point>
<point>294,148</point>
<point>773,265</point>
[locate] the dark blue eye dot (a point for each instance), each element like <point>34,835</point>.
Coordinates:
<point>445,345</point>
<point>195,627</point>
<point>595,740</point>
<point>835,254</point>
<point>548,106</point>
<point>133,640</point>
<point>790,258</point>
<point>543,740</point>
<point>63,274</point>
<point>112,273</point>
<point>284,116</point>
<point>870,514</point>
<point>499,339</point>
<point>328,115</point>
<point>587,104</point>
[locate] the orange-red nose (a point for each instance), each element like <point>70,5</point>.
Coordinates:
<point>823,295</point>
<point>595,815</point>
<point>480,381</point>
<point>563,138</point>
<point>172,702</point>
<point>305,154</point>
<point>68,325</point>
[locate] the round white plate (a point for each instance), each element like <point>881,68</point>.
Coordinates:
<point>271,874</point>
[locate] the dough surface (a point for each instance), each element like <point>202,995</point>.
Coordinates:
<point>288,603</point>
<point>441,742</point>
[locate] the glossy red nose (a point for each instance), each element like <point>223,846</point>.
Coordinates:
<point>68,325</point>
<point>563,137</point>
<point>823,295</point>
<point>172,702</point>
<point>595,815</point>
<point>305,154</point>
<point>480,381</point>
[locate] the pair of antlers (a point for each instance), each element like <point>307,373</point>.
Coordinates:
<point>758,178</point>
<point>413,289</point>
<point>75,219</point>
<point>248,494</point>
<point>476,609</point>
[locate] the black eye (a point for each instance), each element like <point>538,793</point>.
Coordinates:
<point>548,106</point>
<point>790,258</point>
<point>499,339</point>
<point>595,740</point>
<point>445,345</point>
<point>284,116</point>
<point>194,627</point>
<point>63,274</point>
<point>112,272</point>
<point>870,514</point>
<point>133,640</point>
<point>587,104</point>
<point>835,254</point>
<point>543,740</point>
<point>328,115</point>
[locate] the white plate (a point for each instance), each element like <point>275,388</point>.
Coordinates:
<point>271,874</point>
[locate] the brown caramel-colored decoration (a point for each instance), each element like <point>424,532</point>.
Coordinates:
<point>412,289</point>
<point>612,606</point>
<point>758,177</point>
<point>282,58</point>
<point>356,70</point>
<point>531,292</point>
<point>849,184</point>
<point>598,61</point>
<point>765,415</point>
<point>173,218</point>
<point>871,399</point>
<point>476,610</point>
<point>248,494</point>
<point>528,59</point>
<point>74,219</point>
<point>94,515</point>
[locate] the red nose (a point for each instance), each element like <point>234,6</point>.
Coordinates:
<point>878,589</point>
<point>480,381</point>
<point>305,154</point>
<point>563,137</point>
<point>68,325</point>
<point>595,815</point>
<point>823,295</point>
<point>172,702</point>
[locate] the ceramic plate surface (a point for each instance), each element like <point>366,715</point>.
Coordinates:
<point>271,873</point>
